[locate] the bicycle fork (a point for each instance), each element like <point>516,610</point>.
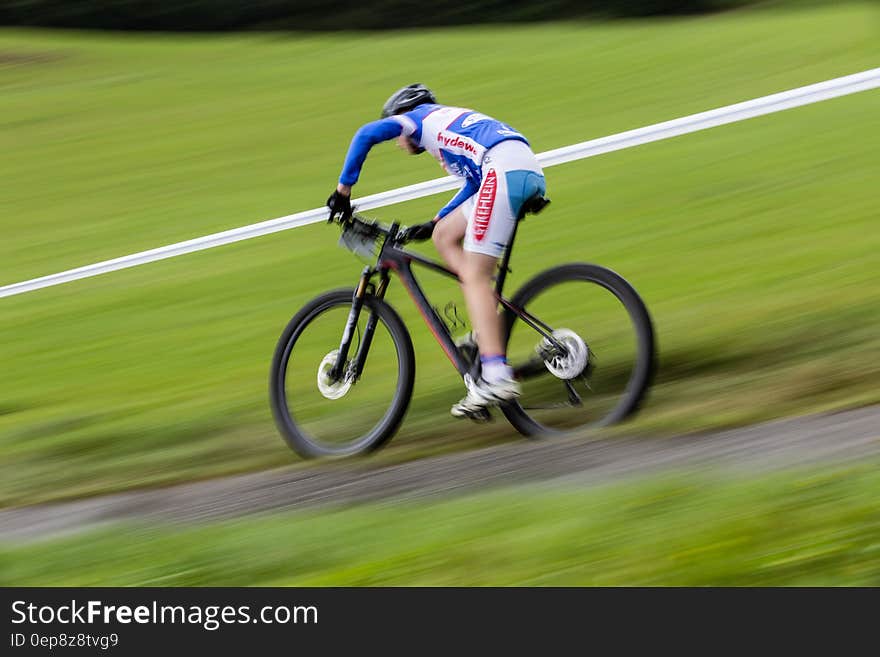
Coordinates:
<point>364,288</point>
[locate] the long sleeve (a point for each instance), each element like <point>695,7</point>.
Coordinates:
<point>364,139</point>
<point>468,189</point>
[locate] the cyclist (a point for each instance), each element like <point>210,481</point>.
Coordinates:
<point>499,172</point>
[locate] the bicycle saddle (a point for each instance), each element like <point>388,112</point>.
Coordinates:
<point>533,205</point>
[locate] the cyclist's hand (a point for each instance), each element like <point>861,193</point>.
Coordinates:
<point>419,232</point>
<point>340,205</point>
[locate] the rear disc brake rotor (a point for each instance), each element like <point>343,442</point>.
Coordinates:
<point>573,362</point>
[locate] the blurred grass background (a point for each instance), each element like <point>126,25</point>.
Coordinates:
<point>754,245</point>
<point>804,528</point>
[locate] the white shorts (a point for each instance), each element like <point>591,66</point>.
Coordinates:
<point>511,174</point>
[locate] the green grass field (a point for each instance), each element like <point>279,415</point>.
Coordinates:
<point>805,528</point>
<point>754,245</point>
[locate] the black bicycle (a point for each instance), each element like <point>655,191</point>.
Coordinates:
<point>579,338</point>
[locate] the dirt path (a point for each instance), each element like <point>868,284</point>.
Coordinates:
<point>836,437</point>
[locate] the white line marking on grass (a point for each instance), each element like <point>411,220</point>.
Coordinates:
<point>813,93</point>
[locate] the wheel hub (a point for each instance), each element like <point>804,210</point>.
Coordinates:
<point>572,362</point>
<point>329,388</point>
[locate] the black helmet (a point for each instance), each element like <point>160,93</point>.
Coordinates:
<point>406,99</point>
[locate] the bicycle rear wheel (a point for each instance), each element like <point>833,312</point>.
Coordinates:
<point>599,365</point>
<point>323,418</point>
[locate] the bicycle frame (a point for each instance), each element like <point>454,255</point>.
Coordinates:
<point>393,257</point>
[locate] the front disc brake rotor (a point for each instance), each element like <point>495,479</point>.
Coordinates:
<point>329,388</point>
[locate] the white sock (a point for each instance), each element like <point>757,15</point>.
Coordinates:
<point>495,369</point>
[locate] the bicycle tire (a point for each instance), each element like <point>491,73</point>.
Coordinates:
<point>294,435</point>
<point>643,369</point>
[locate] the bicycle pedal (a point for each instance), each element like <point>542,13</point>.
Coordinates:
<point>481,417</point>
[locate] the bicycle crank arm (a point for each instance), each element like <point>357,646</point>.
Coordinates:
<point>530,369</point>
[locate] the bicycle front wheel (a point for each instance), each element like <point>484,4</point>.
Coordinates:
<point>320,417</point>
<point>598,365</point>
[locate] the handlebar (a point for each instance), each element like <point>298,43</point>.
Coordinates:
<point>372,229</point>
<point>364,236</point>
<point>368,226</point>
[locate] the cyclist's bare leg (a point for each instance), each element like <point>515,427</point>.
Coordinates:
<point>476,274</point>
<point>448,234</point>
<point>475,271</point>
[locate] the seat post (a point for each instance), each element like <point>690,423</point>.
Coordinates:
<point>532,205</point>
<point>505,260</point>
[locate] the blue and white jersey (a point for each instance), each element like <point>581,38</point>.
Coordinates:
<point>457,137</point>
